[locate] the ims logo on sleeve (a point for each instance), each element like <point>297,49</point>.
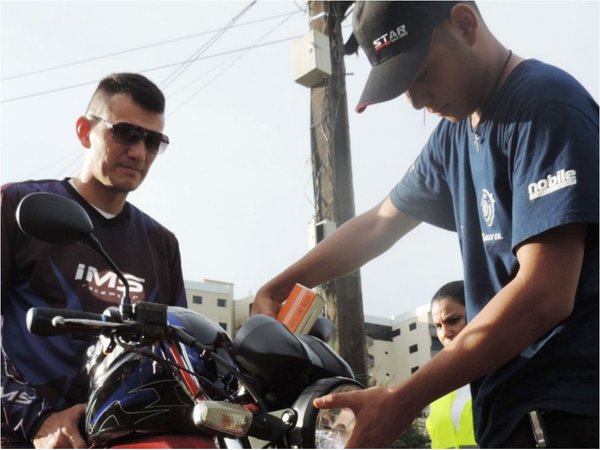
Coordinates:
<point>552,183</point>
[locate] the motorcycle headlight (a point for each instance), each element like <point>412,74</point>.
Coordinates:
<point>323,428</point>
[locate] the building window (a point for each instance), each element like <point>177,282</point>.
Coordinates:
<point>250,308</point>
<point>221,302</point>
<point>197,299</point>
<point>223,325</point>
<point>414,369</point>
<point>412,326</point>
<point>396,333</point>
<point>413,348</point>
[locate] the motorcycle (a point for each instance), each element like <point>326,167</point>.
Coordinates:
<point>167,377</point>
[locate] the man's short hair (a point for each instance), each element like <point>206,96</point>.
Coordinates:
<point>141,90</point>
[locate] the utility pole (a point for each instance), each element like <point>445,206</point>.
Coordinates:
<point>332,182</point>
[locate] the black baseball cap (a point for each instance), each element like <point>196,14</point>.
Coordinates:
<point>395,36</point>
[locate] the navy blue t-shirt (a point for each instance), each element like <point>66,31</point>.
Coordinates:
<point>531,165</point>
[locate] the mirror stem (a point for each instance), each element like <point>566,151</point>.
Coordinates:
<point>125,308</point>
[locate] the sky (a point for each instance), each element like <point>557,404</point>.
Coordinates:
<point>235,185</point>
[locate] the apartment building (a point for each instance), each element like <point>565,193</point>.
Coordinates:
<point>241,311</point>
<point>380,351</point>
<point>213,299</point>
<point>398,346</point>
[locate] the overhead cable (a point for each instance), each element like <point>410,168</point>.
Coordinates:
<point>135,49</point>
<point>183,66</point>
<point>86,83</point>
<point>230,62</point>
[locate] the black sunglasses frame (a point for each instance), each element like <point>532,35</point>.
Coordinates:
<point>129,134</point>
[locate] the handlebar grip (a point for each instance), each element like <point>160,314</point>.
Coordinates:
<point>39,320</point>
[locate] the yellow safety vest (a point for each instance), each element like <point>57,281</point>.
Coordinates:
<point>441,427</point>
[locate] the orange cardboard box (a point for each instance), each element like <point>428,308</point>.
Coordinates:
<point>300,309</point>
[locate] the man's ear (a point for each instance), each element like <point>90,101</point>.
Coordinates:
<point>82,128</point>
<point>466,20</point>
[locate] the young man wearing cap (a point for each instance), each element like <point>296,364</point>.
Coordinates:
<point>514,171</point>
<point>43,386</point>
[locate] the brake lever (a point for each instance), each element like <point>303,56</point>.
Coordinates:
<point>60,321</point>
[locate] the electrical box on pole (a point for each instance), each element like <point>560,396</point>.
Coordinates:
<point>312,59</point>
<point>317,231</point>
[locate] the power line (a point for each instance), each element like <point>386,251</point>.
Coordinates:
<point>230,63</point>
<point>49,91</point>
<point>66,170</point>
<point>143,47</point>
<point>86,83</point>
<point>183,67</point>
<point>72,156</point>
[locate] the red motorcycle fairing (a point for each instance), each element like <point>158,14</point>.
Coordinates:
<point>169,441</point>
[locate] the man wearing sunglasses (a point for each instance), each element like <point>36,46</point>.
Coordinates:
<point>43,388</point>
<point>513,170</point>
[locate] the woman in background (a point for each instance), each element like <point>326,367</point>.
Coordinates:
<point>450,420</point>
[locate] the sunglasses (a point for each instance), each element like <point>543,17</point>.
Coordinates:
<point>130,134</point>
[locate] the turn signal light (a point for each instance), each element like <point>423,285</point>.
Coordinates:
<point>222,417</point>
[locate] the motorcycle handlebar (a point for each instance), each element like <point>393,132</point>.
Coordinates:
<point>47,322</point>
